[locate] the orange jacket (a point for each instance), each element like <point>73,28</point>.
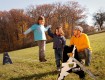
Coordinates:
<point>81,43</point>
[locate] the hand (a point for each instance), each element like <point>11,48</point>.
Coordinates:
<point>49,26</point>
<point>70,54</point>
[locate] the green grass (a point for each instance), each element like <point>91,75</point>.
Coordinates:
<point>27,67</point>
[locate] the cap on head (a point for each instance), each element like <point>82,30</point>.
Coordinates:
<point>78,28</point>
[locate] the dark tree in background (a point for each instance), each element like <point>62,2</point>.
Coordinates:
<point>99,19</point>
<point>14,22</point>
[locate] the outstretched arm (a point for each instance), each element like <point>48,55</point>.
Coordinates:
<point>27,31</point>
<point>50,33</point>
<point>33,27</point>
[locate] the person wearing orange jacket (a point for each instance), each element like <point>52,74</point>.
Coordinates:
<point>81,41</point>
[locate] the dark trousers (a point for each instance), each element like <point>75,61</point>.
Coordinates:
<point>86,54</point>
<point>58,56</point>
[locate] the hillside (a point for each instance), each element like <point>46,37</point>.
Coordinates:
<point>27,67</point>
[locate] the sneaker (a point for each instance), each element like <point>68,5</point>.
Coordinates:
<point>87,64</point>
<point>43,60</point>
<point>82,62</point>
<point>58,69</point>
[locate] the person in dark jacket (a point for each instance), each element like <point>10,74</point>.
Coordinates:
<point>59,42</point>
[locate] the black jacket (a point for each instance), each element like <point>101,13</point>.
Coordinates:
<point>58,41</point>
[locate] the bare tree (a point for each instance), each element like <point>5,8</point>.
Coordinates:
<point>16,21</point>
<point>99,19</point>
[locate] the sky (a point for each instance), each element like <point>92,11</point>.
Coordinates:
<point>91,6</point>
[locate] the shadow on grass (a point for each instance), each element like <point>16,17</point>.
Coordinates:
<point>35,76</point>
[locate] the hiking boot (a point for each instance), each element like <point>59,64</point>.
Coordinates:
<point>58,69</point>
<point>44,60</point>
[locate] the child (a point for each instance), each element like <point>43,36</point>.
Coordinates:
<point>39,36</point>
<point>59,42</point>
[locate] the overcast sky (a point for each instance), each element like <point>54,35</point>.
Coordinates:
<point>91,5</point>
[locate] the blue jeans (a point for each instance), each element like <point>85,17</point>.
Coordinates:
<point>86,54</point>
<point>58,56</point>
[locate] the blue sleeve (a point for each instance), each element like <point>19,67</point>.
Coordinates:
<point>33,27</point>
<point>50,33</point>
<point>27,31</point>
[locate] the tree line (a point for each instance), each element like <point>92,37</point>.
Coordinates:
<point>99,19</point>
<point>15,21</point>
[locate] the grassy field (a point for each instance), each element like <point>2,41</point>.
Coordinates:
<point>27,67</point>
